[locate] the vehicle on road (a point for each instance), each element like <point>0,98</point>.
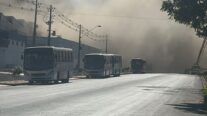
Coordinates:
<point>102,65</point>
<point>138,65</point>
<point>46,64</point>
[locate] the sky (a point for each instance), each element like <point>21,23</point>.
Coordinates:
<point>136,28</point>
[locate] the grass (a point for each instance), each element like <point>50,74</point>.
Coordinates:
<point>205,90</point>
<point>205,96</point>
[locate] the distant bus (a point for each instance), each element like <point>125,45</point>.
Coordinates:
<point>102,65</point>
<point>45,64</point>
<point>138,65</point>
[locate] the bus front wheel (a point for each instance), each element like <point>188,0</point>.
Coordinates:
<point>65,80</point>
<point>58,76</point>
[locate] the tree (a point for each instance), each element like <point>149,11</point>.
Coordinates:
<point>192,13</point>
<point>189,12</point>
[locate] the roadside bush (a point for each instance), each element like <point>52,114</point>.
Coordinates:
<point>17,71</point>
<point>205,97</point>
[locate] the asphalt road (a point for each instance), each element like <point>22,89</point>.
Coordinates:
<point>128,95</point>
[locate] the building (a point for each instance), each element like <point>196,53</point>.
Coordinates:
<point>9,23</point>
<point>15,35</point>
<point>12,46</point>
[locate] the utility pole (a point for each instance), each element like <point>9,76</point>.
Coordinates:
<point>35,25</point>
<point>79,47</point>
<point>201,51</point>
<point>106,49</point>
<point>50,25</point>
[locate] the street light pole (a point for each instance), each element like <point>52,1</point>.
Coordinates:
<point>106,49</point>
<point>201,51</point>
<point>35,25</point>
<point>50,25</point>
<point>79,47</point>
<point>95,28</point>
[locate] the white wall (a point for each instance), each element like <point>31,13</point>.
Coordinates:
<point>11,56</point>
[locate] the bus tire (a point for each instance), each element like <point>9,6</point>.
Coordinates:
<point>58,76</point>
<point>31,82</point>
<point>56,81</point>
<point>68,77</point>
<point>65,80</point>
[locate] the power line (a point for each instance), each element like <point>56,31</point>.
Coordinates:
<point>61,17</point>
<point>85,31</point>
<point>128,17</point>
<point>20,8</point>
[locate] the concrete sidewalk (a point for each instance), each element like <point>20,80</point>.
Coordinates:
<point>9,80</point>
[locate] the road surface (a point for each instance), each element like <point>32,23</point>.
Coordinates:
<point>128,95</point>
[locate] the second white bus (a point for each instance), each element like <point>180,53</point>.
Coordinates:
<point>102,65</point>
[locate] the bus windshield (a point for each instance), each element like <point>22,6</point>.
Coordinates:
<point>137,64</point>
<point>38,59</point>
<point>94,62</point>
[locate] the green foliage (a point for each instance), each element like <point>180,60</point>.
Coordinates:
<point>205,90</point>
<point>189,12</point>
<point>17,71</point>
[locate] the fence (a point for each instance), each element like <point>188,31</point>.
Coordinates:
<point>10,77</point>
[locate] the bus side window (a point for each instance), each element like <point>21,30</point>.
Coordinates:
<point>105,61</point>
<point>71,57</point>
<point>56,57</point>
<point>59,55</point>
<point>65,57</point>
<point>62,56</point>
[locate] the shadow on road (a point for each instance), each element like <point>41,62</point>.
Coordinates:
<point>110,77</point>
<point>170,90</point>
<point>197,108</point>
<point>48,83</point>
<point>13,83</point>
<point>26,83</point>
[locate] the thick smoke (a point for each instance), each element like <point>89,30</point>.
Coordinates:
<point>140,29</point>
<point>136,28</point>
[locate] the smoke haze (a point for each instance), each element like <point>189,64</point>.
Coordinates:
<point>136,28</point>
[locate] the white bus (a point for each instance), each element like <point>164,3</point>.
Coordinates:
<point>48,64</point>
<point>102,65</point>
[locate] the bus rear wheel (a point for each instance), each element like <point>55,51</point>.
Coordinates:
<point>31,82</point>
<point>58,76</point>
<point>68,76</point>
<point>65,80</point>
<point>56,81</point>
